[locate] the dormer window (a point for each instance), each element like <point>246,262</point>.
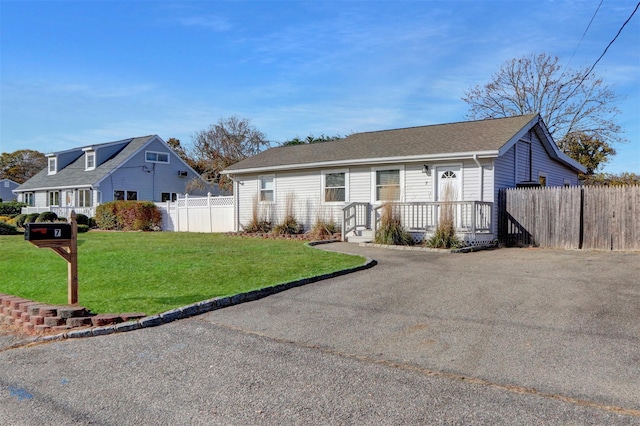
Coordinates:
<point>90,161</point>
<point>157,157</point>
<point>53,165</point>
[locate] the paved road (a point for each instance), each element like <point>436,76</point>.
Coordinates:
<point>497,337</point>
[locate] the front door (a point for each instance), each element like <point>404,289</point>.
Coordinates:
<point>448,179</point>
<point>448,183</point>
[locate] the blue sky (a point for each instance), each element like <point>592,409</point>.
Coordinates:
<point>74,73</point>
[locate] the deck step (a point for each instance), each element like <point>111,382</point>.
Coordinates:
<point>360,236</point>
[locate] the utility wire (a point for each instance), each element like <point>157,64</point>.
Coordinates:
<point>604,52</point>
<point>584,34</point>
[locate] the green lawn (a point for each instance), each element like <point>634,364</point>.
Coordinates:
<point>153,272</point>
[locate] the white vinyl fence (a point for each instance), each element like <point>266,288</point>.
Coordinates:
<point>198,214</point>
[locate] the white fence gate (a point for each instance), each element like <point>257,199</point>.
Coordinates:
<point>198,214</point>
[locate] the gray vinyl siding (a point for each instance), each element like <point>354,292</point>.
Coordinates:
<point>555,172</point>
<point>150,180</point>
<point>360,184</point>
<point>418,185</point>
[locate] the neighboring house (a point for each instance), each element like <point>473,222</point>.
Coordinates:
<point>141,168</point>
<point>6,190</point>
<point>348,180</point>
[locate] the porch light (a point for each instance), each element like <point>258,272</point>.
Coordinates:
<point>425,169</point>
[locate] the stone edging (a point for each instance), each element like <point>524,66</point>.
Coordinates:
<point>195,308</point>
<point>429,249</point>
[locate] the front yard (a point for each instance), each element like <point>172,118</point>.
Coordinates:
<point>157,271</point>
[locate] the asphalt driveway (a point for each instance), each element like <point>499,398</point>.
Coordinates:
<point>511,336</point>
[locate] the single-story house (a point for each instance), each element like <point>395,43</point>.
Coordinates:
<point>6,190</point>
<point>140,168</point>
<point>418,169</point>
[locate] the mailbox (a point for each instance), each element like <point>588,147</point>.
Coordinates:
<point>47,231</point>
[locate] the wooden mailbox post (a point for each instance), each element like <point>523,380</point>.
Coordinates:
<point>63,239</point>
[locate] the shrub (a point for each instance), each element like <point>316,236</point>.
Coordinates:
<point>4,218</point>
<point>83,228</point>
<point>83,219</point>
<point>30,218</point>
<point>11,207</point>
<point>19,220</point>
<point>391,231</point>
<point>7,229</point>
<point>47,217</point>
<point>129,216</point>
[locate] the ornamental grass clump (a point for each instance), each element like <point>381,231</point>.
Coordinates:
<point>445,234</point>
<point>323,229</point>
<point>258,223</point>
<point>391,231</point>
<point>289,225</point>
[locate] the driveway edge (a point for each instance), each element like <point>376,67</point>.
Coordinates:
<point>194,309</point>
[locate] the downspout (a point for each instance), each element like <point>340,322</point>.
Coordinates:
<point>236,207</point>
<point>475,158</point>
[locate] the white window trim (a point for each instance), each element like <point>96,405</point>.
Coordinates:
<point>324,183</point>
<point>50,161</point>
<point>146,159</point>
<point>399,167</point>
<point>273,178</point>
<point>86,160</point>
<point>49,204</point>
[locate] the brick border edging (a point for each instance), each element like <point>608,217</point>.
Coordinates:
<point>196,308</point>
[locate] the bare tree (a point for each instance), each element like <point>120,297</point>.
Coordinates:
<point>223,144</point>
<point>571,102</point>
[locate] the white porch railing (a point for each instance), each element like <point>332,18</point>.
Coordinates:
<point>61,211</point>
<point>469,217</point>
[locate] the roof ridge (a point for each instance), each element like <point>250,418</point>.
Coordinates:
<point>444,124</point>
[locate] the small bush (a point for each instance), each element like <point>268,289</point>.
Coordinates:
<point>7,229</point>
<point>289,226</point>
<point>47,217</point>
<point>129,216</point>
<point>11,207</point>
<point>83,228</point>
<point>5,218</point>
<point>83,219</point>
<point>19,220</point>
<point>30,218</point>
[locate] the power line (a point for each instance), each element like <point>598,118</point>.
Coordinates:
<point>604,52</point>
<point>585,33</point>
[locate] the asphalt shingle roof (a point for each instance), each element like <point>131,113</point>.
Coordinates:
<point>76,175</point>
<point>470,136</point>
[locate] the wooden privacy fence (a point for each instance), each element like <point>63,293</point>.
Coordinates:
<point>592,218</point>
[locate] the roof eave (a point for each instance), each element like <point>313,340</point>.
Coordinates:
<point>366,161</point>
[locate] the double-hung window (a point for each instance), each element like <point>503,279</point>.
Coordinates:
<point>267,189</point>
<point>52,166</point>
<point>29,199</point>
<point>54,198</point>
<point>84,198</point>
<point>90,161</point>
<point>387,185</point>
<point>335,186</point>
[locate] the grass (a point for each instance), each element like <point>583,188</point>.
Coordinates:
<point>153,272</point>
